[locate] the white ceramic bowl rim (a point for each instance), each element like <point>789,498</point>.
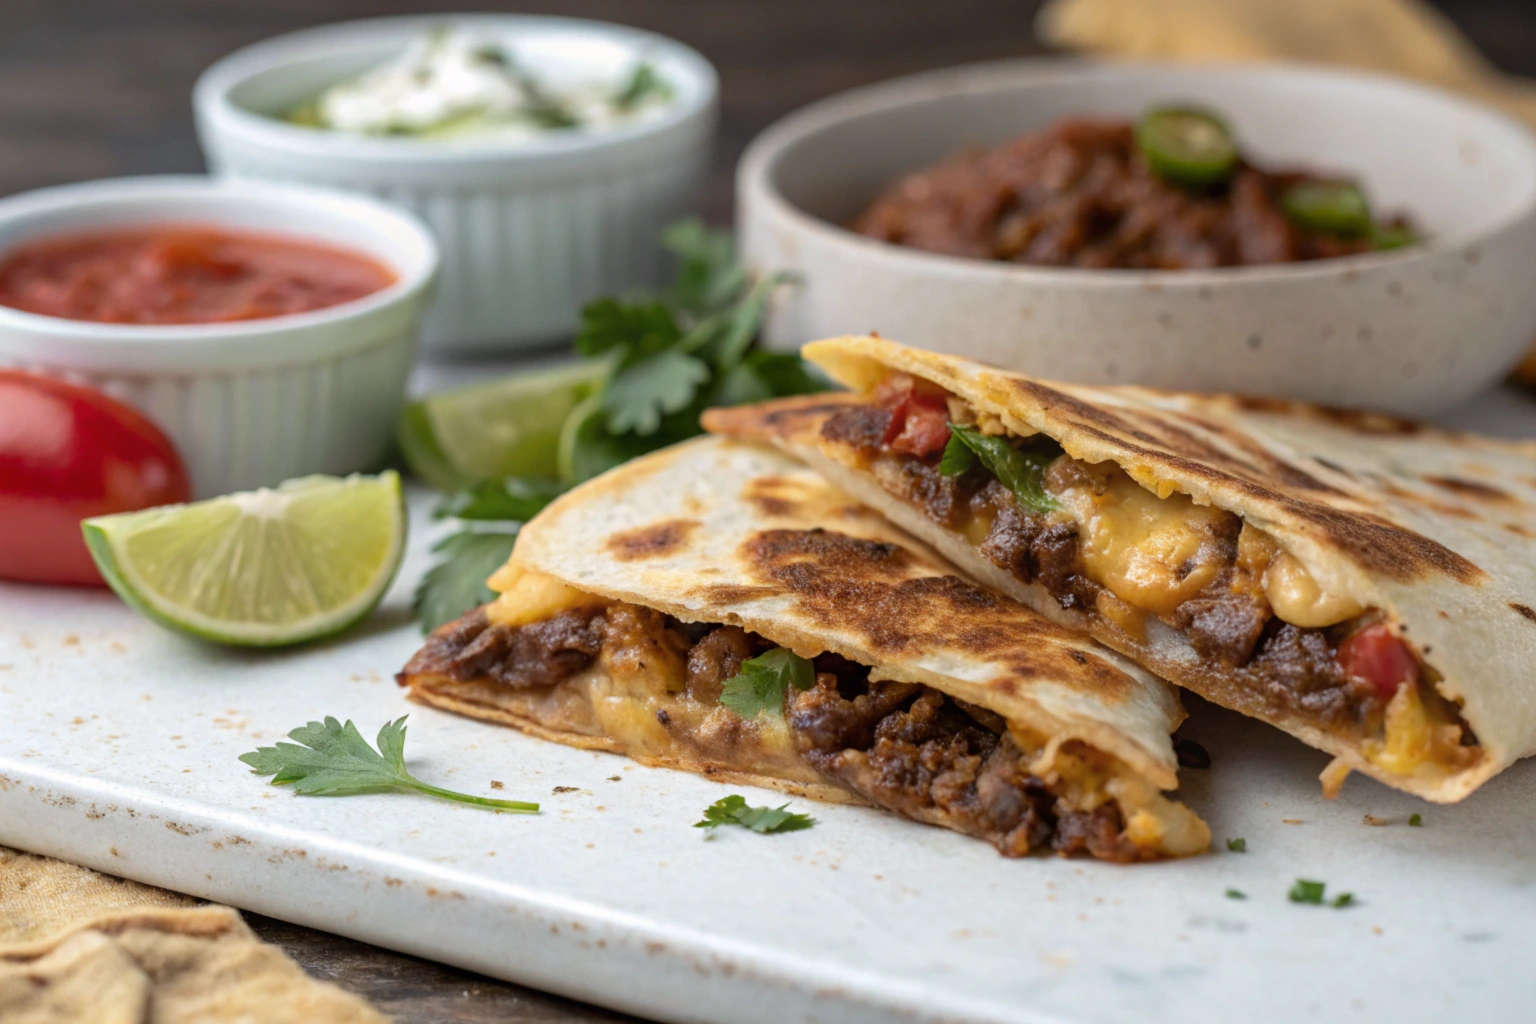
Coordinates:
<point>697,91</point>
<point>759,165</point>
<point>416,267</point>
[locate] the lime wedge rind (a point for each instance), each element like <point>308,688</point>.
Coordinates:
<point>109,539</point>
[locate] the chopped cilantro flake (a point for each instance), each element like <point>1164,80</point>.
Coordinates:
<point>734,810</point>
<point>1307,891</point>
<point>1416,820</point>
<point>1344,899</point>
<point>759,687</point>
<point>1238,845</point>
<point>1236,894</point>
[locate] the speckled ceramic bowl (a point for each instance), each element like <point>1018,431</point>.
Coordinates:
<point>1413,331</point>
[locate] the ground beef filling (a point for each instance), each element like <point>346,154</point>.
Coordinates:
<point>1289,666</point>
<point>907,748</point>
<point>1080,194</point>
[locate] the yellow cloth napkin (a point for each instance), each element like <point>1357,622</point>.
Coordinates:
<point>1398,37</point>
<point>76,945</point>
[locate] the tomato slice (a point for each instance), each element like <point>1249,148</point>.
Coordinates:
<point>1377,656</point>
<point>68,453</point>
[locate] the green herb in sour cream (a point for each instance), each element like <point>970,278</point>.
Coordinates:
<point>450,84</point>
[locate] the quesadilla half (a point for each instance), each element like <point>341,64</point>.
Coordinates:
<point>718,607</point>
<point>1363,582</point>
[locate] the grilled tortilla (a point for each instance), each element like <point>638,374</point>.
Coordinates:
<point>631,603</point>
<point>1365,583</point>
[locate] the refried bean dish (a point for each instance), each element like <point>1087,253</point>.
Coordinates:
<point>1170,192</point>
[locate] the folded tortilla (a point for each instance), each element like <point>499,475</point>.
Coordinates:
<point>1363,582</point>
<point>630,605</point>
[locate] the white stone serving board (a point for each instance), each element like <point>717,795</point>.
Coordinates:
<point>118,747</point>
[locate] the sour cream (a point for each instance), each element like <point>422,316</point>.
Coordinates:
<point>452,83</point>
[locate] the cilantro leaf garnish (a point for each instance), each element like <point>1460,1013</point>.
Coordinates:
<point>1344,899</point>
<point>762,682</point>
<point>331,759</point>
<point>663,358</point>
<point>1018,469</point>
<point>1416,820</point>
<point>1238,845</point>
<point>456,584</point>
<point>490,514</point>
<point>1236,894</point>
<point>958,458</point>
<point>1307,891</point>
<point>708,276</point>
<point>641,391</point>
<point>734,810</point>
<point>632,328</point>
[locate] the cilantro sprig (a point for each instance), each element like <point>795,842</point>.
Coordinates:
<point>677,353</point>
<point>663,358</point>
<point>734,810</point>
<point>760,686</point>
<point>1020,469</point>
<point>332,759</point>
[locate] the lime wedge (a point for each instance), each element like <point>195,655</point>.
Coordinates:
<point>508,427</point>
<point>263,568</point>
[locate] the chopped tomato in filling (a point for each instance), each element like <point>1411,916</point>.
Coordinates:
<point>1381,659</point>
<point>919,417</point>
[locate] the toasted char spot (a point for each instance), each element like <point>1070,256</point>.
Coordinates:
<point>1470,489</point>
<point>869,587</point>
<point>651,541</point>
<point>734,593</point>
<point>1524,609</point>
<point>1057,401</point>
<point>782,417</point>
<point>1258,461</point>
<point>1519,530</point>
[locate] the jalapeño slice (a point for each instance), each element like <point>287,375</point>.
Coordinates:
<point>1393,236</point>
<point>1336,207</point>
<point>1187,146</point>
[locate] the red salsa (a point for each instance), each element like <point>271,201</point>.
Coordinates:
<point>182,274</point>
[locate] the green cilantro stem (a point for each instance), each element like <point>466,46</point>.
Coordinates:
<point>332,759</point>
<point>479,801</point>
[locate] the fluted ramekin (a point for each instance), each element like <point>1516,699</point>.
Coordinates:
<point>254,402</point>
<point>529,229</point>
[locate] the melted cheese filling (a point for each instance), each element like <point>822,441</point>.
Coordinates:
<point>525,596</point>
<point>1153,553</point>
<point>1085,778</point>
<point>639,700</point>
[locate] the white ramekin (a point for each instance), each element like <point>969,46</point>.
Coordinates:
<point>255,402</point>
<point>529,230</point>
<point>1414,331</point>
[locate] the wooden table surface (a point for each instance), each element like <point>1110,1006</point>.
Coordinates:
<point>100,88</point>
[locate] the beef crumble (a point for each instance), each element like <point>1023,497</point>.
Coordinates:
<point>904,747</point>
